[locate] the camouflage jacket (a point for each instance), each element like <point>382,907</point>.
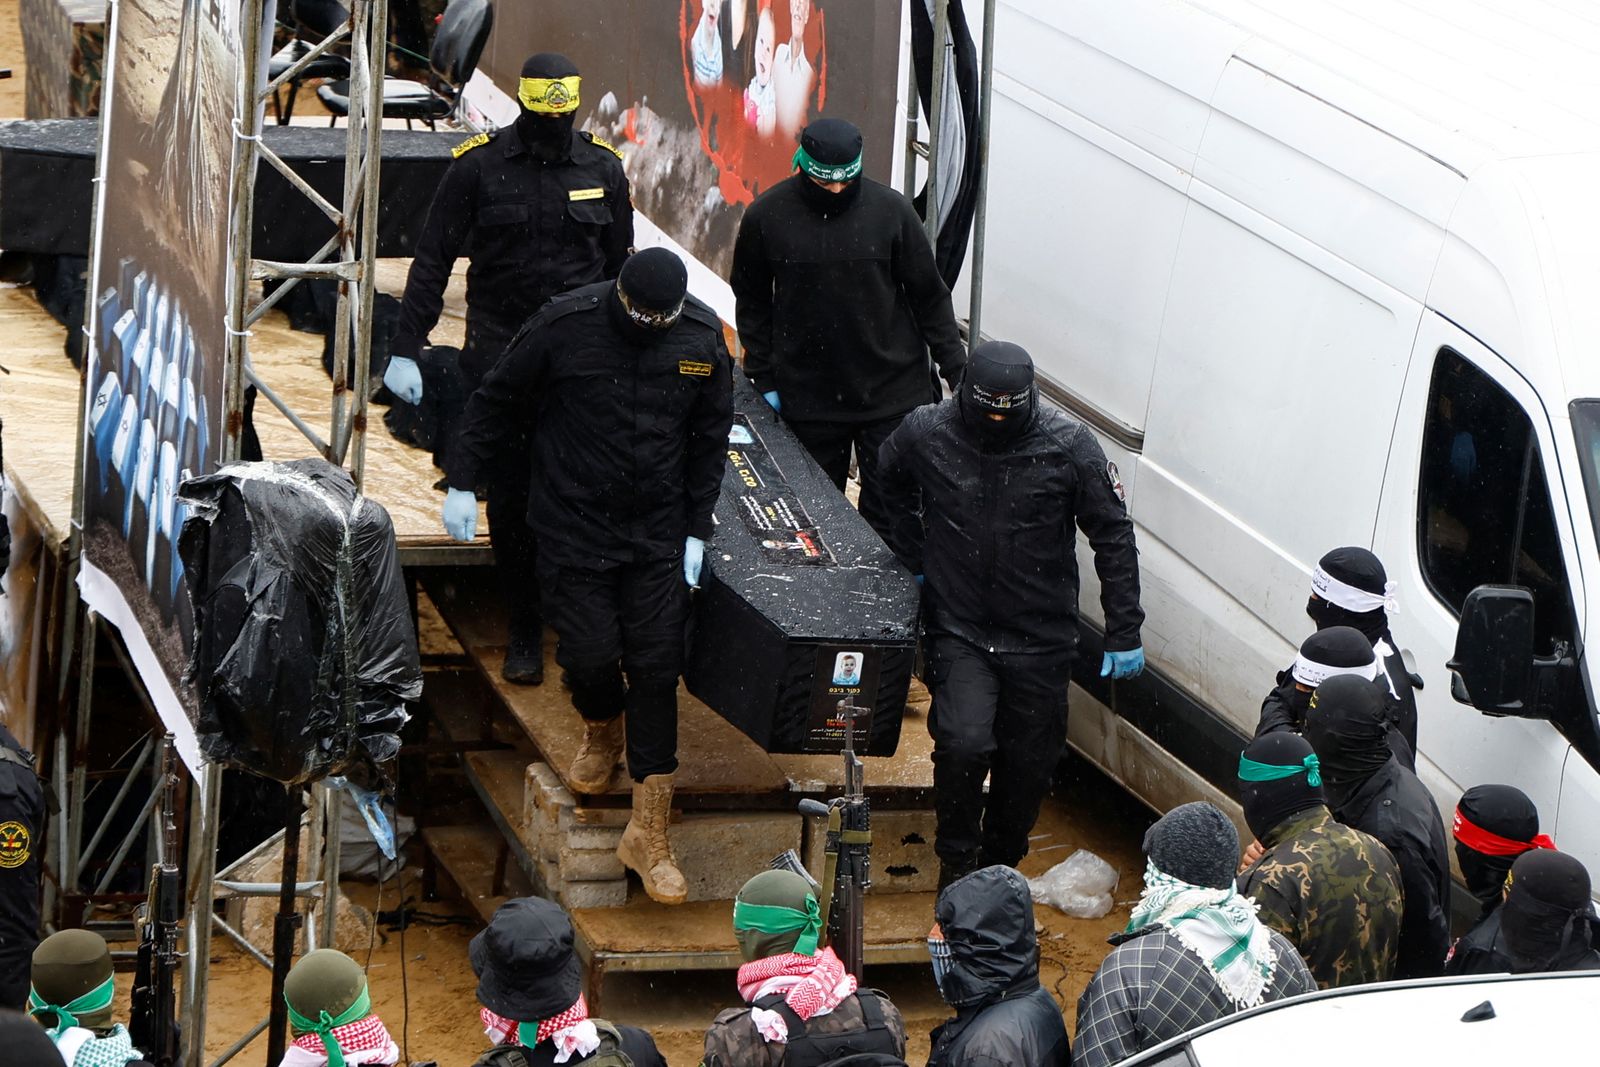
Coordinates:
<point>733,1040</point>
<point>1334,892</point>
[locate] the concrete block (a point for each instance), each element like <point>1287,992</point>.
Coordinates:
<point>718,852</point>
<point>903,860</point>
<point>549,836</point>
<point>590,865</point>
<point>542,787</point>
<point>592,837</point>
<point>594,894</point>
<point>585,817</point>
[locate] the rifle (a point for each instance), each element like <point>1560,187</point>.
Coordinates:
<point>848,873</point>
<point>154,1024</point>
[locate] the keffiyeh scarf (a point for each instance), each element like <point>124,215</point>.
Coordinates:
<point>80,1048</point>
<point>811,986</point>
<point>570,1032</point>
<point>1217,925</point>
<point>365,1041</point>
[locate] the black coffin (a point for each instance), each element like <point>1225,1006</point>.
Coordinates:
<point>802,607</point>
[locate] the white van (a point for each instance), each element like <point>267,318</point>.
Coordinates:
<point>1323,272</point>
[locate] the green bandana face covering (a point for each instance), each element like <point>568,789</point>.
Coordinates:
<point>324,1025</point>
<point>96,999</point>
<point>773,919</point>
<point>827,172</point>
<point>1251,771</point>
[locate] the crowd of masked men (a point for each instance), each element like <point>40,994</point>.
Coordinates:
<point>597,431</point>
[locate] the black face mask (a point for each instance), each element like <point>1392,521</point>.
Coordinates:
<point>822,200</point>
<point>1485,876</point>
<point>548,137</point>
<point>1347,725</point>
<point>1324,613</point>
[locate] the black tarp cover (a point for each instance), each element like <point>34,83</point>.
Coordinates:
<point>304,652</point>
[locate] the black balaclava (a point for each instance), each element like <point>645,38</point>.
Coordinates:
<point>548,134</point>
<point>1347,724</point>
<point>998,380</point>
<point>1357,567</point>
<point>1544,924</point>
<point>1504,811</point>
<point>835,147</point>
<point>649,295</point>
<point>1267,804</point>
<point>1323,655</point>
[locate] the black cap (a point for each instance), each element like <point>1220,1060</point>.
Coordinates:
<point>999,378</point>
<point>1195,843</point>
<point>832,141</point>
<point>526,967</point>
<point>549,65</point>
<point>654,279</point>
<point>1356,566</point>
<point>1268,804</point>
<point>1504,810</point>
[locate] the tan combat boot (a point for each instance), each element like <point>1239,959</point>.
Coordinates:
<point>597,757</point>
<point>645,846</point>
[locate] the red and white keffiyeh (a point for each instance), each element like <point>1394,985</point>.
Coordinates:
<point>570,1032</point>
<point>811,986</point>
<point>365,1041</point>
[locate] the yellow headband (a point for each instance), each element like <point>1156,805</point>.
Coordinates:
<point>549,96</point>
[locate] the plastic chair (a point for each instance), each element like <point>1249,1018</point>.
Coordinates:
<point>457,47</point>
<point>312,21</point>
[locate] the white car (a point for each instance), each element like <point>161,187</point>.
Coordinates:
<point>1484,1019</point>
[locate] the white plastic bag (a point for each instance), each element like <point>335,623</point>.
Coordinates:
<point>1079,885</point>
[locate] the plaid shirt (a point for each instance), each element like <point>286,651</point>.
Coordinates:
<point>1152,988</point>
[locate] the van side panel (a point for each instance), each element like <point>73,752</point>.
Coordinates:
<point>1095,132</point>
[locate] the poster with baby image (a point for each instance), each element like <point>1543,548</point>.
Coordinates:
<point>705,98</point>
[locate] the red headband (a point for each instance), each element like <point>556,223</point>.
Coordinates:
<point>1478,839</point>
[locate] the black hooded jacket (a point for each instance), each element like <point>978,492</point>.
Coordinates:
<point>1397,809</point>
<point>995,531</point>
<point>1003,1016</point>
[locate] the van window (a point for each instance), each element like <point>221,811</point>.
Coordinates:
<point>1484,506</point>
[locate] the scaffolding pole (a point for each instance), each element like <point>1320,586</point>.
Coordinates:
<point>980,224</point>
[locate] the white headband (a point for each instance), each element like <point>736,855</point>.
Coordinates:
<point>1349,597</point>
<point>1310,672</point>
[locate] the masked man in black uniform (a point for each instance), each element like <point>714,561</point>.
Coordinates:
<point>546,209</point>
<point>22,815</point>
<point>1003,482</point>
<point>626,390</point>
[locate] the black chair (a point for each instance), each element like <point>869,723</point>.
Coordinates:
<point>312,20</point>
<point>457,47</point>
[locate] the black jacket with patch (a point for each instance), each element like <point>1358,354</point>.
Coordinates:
<point>995,531</point>
<point>838,312</point>
<point>629,439</point>
<point>532,229</point>
<point>22,816</point>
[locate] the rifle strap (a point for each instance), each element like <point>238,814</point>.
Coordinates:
<point>855,837</point>
<point>830,869</point>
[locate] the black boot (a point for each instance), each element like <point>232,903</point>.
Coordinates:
<point>524,663</point>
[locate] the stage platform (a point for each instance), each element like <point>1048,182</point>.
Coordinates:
<point>39,403</point>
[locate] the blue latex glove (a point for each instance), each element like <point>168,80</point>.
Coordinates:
<point>461,515</point>
<point>771,397</point>
<point>694,557</point>
<point>404,379</point>
<point>1129,664</point>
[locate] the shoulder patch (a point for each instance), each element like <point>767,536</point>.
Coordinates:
<point>607,145</point>
<point>469,144</point>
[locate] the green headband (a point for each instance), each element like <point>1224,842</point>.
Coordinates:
<point>323,1026</point>
<point>1251,771</point>
<point>774,919</point>
<point>827,172</point>
<point>97,999</point>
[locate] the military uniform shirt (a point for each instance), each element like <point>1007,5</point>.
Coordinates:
<point>1332,891</point>
<point>532,228</point>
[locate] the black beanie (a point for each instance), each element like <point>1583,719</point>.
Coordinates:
<point>1267,804</point>
<point>1504,811</point>
<point>1358,568</point>
<point>548,65</point>
<point>654,279</point>
<point>998,380</point>
<point>1195,843</point>
<point>1334,651</point>
<point>832,141</point>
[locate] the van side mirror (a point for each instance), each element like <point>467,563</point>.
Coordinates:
<point>1492,668</point>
